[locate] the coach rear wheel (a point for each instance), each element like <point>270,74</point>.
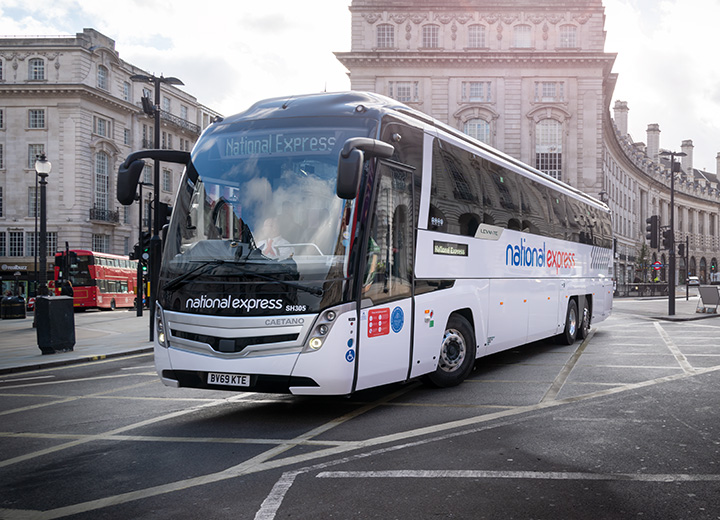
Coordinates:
<point>584,328</point>
<point>457,354</point>
<point>568,336</point>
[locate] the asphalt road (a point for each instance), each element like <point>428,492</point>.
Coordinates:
<point>623,425</point>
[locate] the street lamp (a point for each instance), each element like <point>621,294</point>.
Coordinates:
<point>155,245</point>
<point>43,168</point>
<point>674,167</point>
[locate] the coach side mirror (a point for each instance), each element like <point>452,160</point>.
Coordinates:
<point>350,163</point>
<point>127,181</point>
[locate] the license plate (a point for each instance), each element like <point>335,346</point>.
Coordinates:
<point>215,378</point>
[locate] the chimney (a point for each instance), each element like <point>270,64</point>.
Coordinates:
<point>717,164</point>
<point>621,117</point>
<point>687,161</point>
<point>653,141</point>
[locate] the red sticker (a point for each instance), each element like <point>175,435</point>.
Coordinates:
<point>378,322</point>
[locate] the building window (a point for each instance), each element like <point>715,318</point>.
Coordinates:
<point>102,181</point>
<point>101,126</point>
<point>549,91</point>
<point>101,243</point>
<point>2,157</point>
<point>385,36</point>
<point>166,104</point>
<point>102,77</point>
<point>126,91</point>
<point>568,37</point>
<point>36,118</point>
<point>479,129</point>
<point>36,69</point>
<point>3,247</point>
<point>430,36</point>
<point>1,206</point>
<point>404,91</point>
<point>548,147</point>
<point>32,202</point>
<point>522,36</point>
<point>126,136</point>
<point>147,174</point>
<point>476,91</point>
<point>2,118</point>
<point>1,78</point>
<point>34,153</point>
<point>184,112</point>
<point>476,36</point>
<point>167,183</point>
<point>16,244</point>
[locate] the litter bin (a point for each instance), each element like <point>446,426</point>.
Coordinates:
<point>55,323</point>
<point>12,308</point>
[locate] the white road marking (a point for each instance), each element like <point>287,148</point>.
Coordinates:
<point>539,475</point>
<point>672,347</point>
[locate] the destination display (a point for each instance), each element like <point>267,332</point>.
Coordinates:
<point>278,143</point>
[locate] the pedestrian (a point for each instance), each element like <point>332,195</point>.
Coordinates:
<point>67,289</point>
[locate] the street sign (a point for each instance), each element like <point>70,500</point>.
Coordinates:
<point>657,266</point>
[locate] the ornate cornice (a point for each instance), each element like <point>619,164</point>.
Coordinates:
<point>463,17</point>
<point>66,90</point>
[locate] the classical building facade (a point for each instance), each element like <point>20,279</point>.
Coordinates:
<point>72,98</point>
<point>533,79</point>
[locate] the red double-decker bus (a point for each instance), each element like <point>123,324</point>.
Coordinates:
<point>99,280</point>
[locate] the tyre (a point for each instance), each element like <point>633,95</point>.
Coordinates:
<point>584,328</point>
<point>457,354</point>
<point>568,336</point>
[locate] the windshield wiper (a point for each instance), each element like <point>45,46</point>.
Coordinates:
<point>200,269</point>
<point>178,280</point>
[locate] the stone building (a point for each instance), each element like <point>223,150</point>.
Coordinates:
<point>72,98</point>
<point>533,80</point>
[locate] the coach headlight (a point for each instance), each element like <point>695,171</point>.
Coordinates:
<point>320,330</point>
<point>160,327</point>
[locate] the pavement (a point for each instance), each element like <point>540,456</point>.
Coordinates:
<point>98,335</point>
<point>104,334</point>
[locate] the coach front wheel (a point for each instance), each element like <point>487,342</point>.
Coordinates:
<point>584,327</point>
<point>457,354</point>
<point>568,336</point>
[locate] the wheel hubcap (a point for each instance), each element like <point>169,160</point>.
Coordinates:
<point>453,350</point>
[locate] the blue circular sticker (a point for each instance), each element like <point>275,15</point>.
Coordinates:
<point>397,319</point>
<point>350,355</point>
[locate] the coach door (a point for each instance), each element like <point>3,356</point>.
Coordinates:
<point>386,315</point>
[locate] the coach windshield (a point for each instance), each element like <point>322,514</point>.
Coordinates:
<point>257,215</point>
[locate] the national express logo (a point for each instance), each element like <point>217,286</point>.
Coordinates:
<point>228,302</point>
<point>525,256</point>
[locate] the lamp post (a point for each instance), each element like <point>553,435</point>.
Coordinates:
<point>155,245</point>
<point>43,168</point>
<point>671,237</point>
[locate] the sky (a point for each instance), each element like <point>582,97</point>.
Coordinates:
<point>230,54</point>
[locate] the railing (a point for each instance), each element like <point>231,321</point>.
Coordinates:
<point>178,121</point>
<point>642,289</point>
<point>104,215</point>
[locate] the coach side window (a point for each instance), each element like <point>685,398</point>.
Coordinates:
<point>456,204</point>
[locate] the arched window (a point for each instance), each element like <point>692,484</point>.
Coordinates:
<point>479,129</point>
<point>522,36</point>
<point>102,77</point>
<point>431,36</point>
<point>385,36</point>
<point>102,181</point>
<point>36,69</point>
<point>548,147</point>
<point>568,37</point>
<point>476,36</point>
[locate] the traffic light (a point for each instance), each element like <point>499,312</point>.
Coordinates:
<point>135,253</point>
<point>713,266</point>
<point>165,212</point>
<point>652,231</point>
<point>144,245</point>
<point>667,238</point>
<point>681,250</point>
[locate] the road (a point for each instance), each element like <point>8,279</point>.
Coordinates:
<point>623,425</point>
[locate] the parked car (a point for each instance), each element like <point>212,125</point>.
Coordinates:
<point>693,280</point>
